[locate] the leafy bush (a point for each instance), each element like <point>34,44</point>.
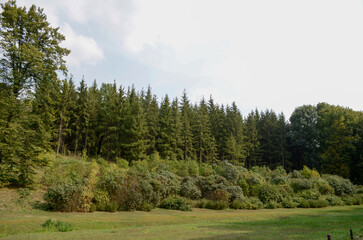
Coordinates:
<point>272,205</point>
<point>251,203</point>
<point>208,185</point>
<point>206,170</point>
<point>59,225</point>
<point>310,194</point>
<point>304,203</point>
<point>341,186</point>
<point>221,195</point>
<point>334,200</point>
<point>176,203</point>
<point>202,203</point>
<point>229,171</point>
<point>352,200</point>
<point>236,204</point>
<point>300,184</point>
<point>289,203</point>
<point>112,207</point>
<point>323,187</point>
<point>318,203</point>
<point>310,173</point>
<point>188,189</point>
<point>235,192</point>
<point>129,196</point>
<point>269,192</point>
<point>100,200</point>
<point>216,204</point>
<point>169,183</point>
<point>68,197</point>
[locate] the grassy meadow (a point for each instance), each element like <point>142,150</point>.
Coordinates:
<point>19,221</point>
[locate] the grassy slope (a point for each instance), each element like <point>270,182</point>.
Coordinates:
<point>198,224</point>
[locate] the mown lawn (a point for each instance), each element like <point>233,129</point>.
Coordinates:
<point>198,224</point>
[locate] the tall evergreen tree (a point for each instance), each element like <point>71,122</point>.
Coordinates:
<point>186,129</point>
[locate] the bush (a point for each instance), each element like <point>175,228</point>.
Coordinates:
<point>229,171</point>
<point>300,184</point>
<point>334,200</point>
<point>129,197</point>
<point>310,194</point>
<point>235,192</point>
<point>304,203</point>
<point>272,205</point>
<point>236,204</point>
<point>289,203</point>
<point>251,203</point>
<point>112,207</point>
<point>59,225</point>
<point>68,197</point>
<point>269,192</point>
<point>189,190</point>
<point>206,170</point>
<point>221,195</point>
<point>318,203</point>
<point>202,203</point>
<point>352,200</point>
<point>216,204</point>
<point>341,186</point>
<point>169,183</point>
<point>324,187</point>
<point>100,200</point>
<point>208,185</point>
<point>176,203</point>
<point>309,173</point>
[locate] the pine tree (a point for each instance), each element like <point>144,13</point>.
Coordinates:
<point>134,128</point>
<point>186,129</point>
<point>204,141</point>
<point>165,130</point>
<point>151,109</point>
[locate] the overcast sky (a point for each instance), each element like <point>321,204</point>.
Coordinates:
<point>267,54</point>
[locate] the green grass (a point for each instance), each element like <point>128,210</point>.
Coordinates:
<point>198,224</point>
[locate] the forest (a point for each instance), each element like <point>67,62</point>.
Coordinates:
<point>128,142</point>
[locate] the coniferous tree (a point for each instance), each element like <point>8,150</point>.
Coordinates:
<point>204,141</point>
<point>254,156</point>
<point>134,129</point>
<point>235,143</point>
<point>165,130</point>
<point>177,139</point>
<point>151,109</point>
<point>186,129</point>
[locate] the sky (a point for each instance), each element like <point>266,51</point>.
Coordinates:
<point>261,54</point>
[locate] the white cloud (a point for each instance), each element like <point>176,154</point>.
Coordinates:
<point>266,54</point>
<point>84,50</point>
<point>269,54</point>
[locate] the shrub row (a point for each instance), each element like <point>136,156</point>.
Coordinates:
<point>102,186</point>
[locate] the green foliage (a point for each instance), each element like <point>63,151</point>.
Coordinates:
<point>272,205</point>
<point>269,192</point>
<point>341,186</point>
<point>216,204</point>
<point>176,203</point>
<point>300,184</point>
<point>58,225</point>
<point>236,204</point>
<point>319,203</point>
<point>334,200</point>
<point>304,203</point>
<point>234,192</point>
<point>188,189</point>
<point>251,203</point>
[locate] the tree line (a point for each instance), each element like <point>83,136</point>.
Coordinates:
<point>43,110</point>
